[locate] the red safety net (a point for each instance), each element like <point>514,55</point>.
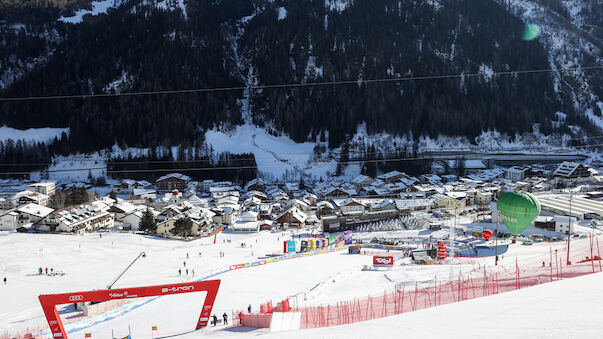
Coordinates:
<point>480,282</point>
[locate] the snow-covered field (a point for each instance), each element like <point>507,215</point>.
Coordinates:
<point>275,155</point>
<point>90,262</point>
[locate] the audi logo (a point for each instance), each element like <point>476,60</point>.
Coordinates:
<point>76,298</point>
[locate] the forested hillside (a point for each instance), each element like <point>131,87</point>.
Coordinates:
<point>155,45</point>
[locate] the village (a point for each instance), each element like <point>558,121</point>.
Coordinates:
<point>174,206</point>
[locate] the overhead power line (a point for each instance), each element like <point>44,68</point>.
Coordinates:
<point>298,84</point>
<point>220,168</point>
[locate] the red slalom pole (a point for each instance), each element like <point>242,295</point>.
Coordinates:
<point>551,262</point>
<point>592,260</point>
<point>599,253</point>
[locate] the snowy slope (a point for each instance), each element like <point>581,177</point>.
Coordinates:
<point>569,46</point>
<point>31,134</point>
<point>561,309</point>
<point>276,157</point>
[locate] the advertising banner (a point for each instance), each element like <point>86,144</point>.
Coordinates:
<point>291,246</point>
<point>442,251</point>
<point>383,261</point>
<point>347,236</point>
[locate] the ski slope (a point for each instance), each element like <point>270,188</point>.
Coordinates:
<point>91,262</point>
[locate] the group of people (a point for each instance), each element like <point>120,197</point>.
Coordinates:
<point>224,317</point>
<point>186,271</point>
<point>45,270</point>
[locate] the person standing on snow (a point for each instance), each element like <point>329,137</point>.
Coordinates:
<point>215,319</point>
<point>225,317</point>
<point>5,284</point>
<point>179,272</point>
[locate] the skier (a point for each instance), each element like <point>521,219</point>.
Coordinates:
<point>249,308</point>
<point>187,271</point>
<point>193,272</point>
<point>184,263</point>
<point>179,272</point>
<point>215,319</point>
<point>40,270</point>
<point>46,270</point>
<point>187,256</point>
<point>5,284</point>
<point>51,271</point>
<point>225,317</point>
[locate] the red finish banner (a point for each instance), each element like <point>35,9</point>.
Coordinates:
<point>383,260</point>
<point>49,301</point>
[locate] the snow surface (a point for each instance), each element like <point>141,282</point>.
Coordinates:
<point>561,309</point>
<point>276,156</point>
<point>99,7</point>
<point>338,5</point>
<point>91,262</point>
<point>282,13</point>
<point>31,134</point>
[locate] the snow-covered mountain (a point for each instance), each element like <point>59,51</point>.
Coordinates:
<point>111,46</point>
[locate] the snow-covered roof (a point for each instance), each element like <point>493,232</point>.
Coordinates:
<point>566,169</point>
<point>175,176</point>
<point>35,210</point>
<point>360,179</point>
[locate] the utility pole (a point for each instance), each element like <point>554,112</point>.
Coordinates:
<point>496,240</point>
<point>569,229</point>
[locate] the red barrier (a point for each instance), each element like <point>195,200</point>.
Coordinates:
<point>49,301</point>
<point>255,320</point>
<point>480,282</point>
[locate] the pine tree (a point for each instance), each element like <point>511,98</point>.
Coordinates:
<point>147,223</point>
<point>183,227</point>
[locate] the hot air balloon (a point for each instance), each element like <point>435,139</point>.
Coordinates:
<point>487,234</point>
<point>517,209</point>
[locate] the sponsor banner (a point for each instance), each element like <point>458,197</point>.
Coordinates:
<point>347,236</point>
<point>383,260</point>
<point>291,248</point>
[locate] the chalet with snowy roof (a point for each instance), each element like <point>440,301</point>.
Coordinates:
<point>337,192</point>
<point>172,181</point>
<point>432,179</point>
<point>88,217</point>
<point>144,194</point>
<point>256,184</point>
<point>248,222</point>
<point>265,211</point>
<point>32,214</point>
<point>256,194</point>
<point>382,205</point>
<point>23,198</point>
<point>516,173</point>
<point>122,208</point>
<point>571,172</point>
<point>311,198</point>
<point>325,208</point>
<point>8,221</point>
<point>446,201</point>
<point>300,204</point>
<point>408,205</point>
<point>362,180</point>
<point>392,176</point>
<point>351,206</point>
<point>292,217</point>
